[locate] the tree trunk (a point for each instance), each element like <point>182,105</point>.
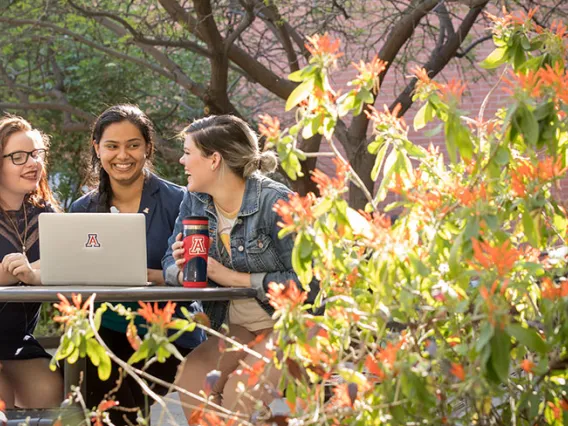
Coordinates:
<point>305,184</point>
<point>362,162</point>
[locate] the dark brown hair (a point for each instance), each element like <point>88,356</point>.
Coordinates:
<point>12,124</point>
<point>98,177</point>
<point>234,140</point>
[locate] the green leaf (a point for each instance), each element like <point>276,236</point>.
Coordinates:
<point>93,351</point>
<point>501,354</point>
<point>453,259</point>
<point>485,335</point>
<point>302,265</point>
<point>495,59</point>
<point>300,93</point>
<point>345,104</point>
<point>379,161</point>
<point>527,337</point>
<point>142,352</point>
<point>423,116</point>
<point>531,231</point>
<point>527,125</point>
<point>105,366</point>
<point>302,74</point>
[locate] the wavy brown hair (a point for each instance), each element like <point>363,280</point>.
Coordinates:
<point>10,125</point>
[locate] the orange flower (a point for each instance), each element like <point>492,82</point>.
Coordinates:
<point>555,410</point>
<point>106,404</point>
<point>70,311</point>
<point>324,182</point>
<point>323,46</point>
<point>369,72</point>
<point>161,317</point>
<point>458,371</point>
<point>527,365</point>
<point>342,397</point>
<point>549,290</point>
<point>509,19</point>
<point>270,127</point>
<point>528,81</point>
<point>452,91</point>
<point>502,257</point>
<point>547,168</point>
<point>295,206</point>
<point>132,336</point>
<point>286,296</point>
<point>468,196</point>
<point>389,119</point>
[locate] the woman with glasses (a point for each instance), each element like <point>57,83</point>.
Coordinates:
<point>25,378</point>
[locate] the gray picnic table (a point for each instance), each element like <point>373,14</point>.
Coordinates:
<point>72,372</point>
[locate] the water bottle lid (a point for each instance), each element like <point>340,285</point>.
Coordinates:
<point>195,220</point>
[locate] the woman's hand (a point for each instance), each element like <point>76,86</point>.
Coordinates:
<point>155,276</point>
<point>178,251</point>
<point>17,264</point>
<point>226,277</point>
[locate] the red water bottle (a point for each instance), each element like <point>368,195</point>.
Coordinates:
<point>196,250</point>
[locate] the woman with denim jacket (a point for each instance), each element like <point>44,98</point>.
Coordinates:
<point>222,159</point>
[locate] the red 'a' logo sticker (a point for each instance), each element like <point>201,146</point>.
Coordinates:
<point>92,240</point>
<point>197,247</point>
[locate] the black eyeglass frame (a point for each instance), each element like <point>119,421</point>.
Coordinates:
<point>36,153</point>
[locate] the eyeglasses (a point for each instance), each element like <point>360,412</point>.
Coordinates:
<point>21,157</point>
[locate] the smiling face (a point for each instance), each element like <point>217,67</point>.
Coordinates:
<point>18,180</point>
<point>122,150</point>
<point>200,170</point>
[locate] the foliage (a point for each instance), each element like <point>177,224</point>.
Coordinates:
<point>457,312</point>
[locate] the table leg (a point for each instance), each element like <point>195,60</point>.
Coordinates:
<point>75,374</point>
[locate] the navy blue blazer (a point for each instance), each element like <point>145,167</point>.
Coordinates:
<point>160,204</point>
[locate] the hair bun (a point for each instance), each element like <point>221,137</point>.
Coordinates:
<point>267,162</point>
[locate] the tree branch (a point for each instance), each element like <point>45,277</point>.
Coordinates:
<point>243,25</point>
<point>269,13</point>
<point>138,36</point>
<point>440,57</point>
<point>397,38</point>
<point>480,40</point>
<point>175,71</point>
<point>254,69</point>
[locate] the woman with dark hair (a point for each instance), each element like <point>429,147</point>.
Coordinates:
<point>25,378</point>
<point>122,149</point>
<point>222,161</point>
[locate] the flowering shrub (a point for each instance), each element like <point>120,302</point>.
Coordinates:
<point>457,312</point>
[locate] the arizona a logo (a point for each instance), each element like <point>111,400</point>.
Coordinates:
<point>92,240</point>
<point>197,246</point>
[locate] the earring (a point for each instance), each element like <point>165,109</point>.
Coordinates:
<point>212,167</point>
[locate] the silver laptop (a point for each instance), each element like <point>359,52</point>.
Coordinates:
<point>92,249</point>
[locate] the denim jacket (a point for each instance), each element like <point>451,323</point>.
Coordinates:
<point>255,246</point>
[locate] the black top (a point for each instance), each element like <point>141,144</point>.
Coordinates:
<point>18,320</point>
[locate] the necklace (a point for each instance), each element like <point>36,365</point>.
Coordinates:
<point>22,241</point>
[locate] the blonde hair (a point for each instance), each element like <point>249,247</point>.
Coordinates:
<point>235,141</point>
